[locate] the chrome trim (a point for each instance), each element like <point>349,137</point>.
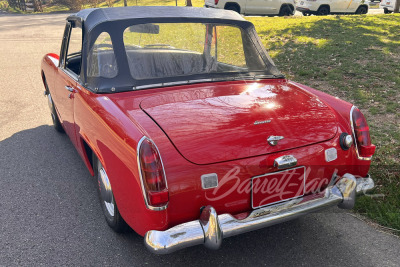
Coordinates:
<point>106,190</point>
<point>354,136</point>
<point>347,186</point>
<point>211,228</point>
<point>285,200</point>
<point>285,161</point>
<point>225,225</point>
<point>201,80</point>
<point>69,88</point>
<point>148,86</point>
<point>141,177</point>
<point>364,185</point>
<point>261,122</point>
<point>70,73</point>
<point>348,141</point>
<point>181,236</point>
<point>273,140</point>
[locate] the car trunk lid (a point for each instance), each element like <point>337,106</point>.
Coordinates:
<point>224,121</point>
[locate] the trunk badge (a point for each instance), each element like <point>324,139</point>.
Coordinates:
<point>273,140</point>
<point>261,122</point>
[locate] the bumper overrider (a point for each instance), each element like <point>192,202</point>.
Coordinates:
<point>211,228</point>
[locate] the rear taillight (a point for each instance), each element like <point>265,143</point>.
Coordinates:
<point>216,2</point>
<point>152,174</point>
<point>361,134</point>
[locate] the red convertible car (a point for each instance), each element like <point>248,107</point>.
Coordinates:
<point>191,130</point>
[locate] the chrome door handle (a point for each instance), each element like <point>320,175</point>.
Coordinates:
<point>69,88</point>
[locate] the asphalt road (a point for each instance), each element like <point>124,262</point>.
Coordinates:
<point>49,211</point>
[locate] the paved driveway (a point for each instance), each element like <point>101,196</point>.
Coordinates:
<point>49,212</point>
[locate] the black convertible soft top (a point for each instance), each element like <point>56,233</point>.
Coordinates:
<point>94,17</point>
<point>114,21</point>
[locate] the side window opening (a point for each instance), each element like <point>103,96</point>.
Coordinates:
<point>101,59</point>
<point>74,50</point>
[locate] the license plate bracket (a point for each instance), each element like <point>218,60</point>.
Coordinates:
<point>276,187</point>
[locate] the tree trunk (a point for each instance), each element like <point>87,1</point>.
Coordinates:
<point>125,2</point>
<point>397,6</point>
<point>188,2</point>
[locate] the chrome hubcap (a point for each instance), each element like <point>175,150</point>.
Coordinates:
<point>106,191</point>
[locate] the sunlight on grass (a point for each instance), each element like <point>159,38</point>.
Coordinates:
<point>309,40</point>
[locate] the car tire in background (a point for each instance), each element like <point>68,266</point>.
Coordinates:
<point>233,7</point>
<point>106,197</point>
<point>386,11</point>
<point>362,10</point>
<point>323,11</point>
<point>286,10</point>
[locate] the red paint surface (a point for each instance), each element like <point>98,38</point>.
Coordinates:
<point>209,122</point>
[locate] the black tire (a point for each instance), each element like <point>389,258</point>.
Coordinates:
<point>54,116</point>
<point>323,11</point>
<point>386,11</point>
<point>233,8</point>
<point>306,14</point>
<point>362,10</point>
<point>286,11</point>
<point>106,197</point>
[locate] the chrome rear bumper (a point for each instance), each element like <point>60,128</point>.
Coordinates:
<point>211,228</point>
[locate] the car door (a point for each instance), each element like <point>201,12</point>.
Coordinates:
<point>259,7</point>
<point>340,5</point>
<point>353,5</point>
<point>67,77</point>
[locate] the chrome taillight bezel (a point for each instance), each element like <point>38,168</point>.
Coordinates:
<point>355,137</point>
<point>141,176</point>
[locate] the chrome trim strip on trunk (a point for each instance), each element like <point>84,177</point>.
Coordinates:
<point>211,228</point>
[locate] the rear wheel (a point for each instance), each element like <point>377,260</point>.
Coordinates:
<point>107,201</point>
<point>233,8</point>
<point>362,10</point>
<point>286,11</point>
<point>323,11</point>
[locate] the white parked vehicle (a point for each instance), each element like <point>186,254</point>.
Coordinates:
<point>387,6</point>
<point>326,7</point>
<point>255,7</point>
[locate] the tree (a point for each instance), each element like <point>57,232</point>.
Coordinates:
<point>188,2</point>
<point>397,6</point>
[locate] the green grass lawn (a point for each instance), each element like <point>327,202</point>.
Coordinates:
<point>356,58</point>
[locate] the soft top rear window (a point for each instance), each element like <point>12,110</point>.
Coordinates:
<point>165,50</point>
